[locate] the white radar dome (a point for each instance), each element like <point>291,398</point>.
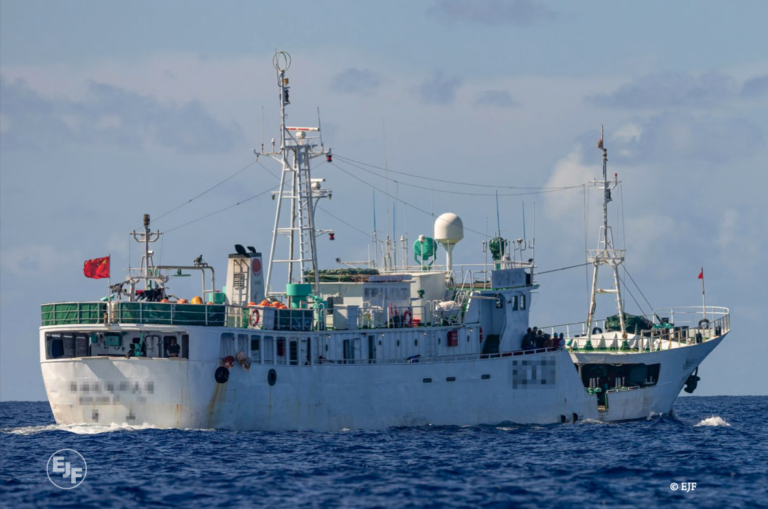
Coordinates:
<point>449,229</point>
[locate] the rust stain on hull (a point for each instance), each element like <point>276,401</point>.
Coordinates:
<point>214,405</point>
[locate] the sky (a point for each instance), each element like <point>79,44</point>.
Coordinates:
<point>109,110</point>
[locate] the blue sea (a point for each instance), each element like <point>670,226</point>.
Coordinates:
<point>719,443</point>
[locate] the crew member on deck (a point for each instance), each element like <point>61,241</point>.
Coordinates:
<point>527,340</point>
<point>173,349</point>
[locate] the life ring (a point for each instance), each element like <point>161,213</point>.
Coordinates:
<point>407,318</point>
<point>704,322</point>
<point>254,319</point>
<point>597,330</point>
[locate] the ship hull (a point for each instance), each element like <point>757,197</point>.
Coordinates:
<point>183,394</point>
<point>543,387</point>
<point>676,365</point>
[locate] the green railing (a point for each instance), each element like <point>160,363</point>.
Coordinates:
<point>166,313</point>
<point>69,313</point>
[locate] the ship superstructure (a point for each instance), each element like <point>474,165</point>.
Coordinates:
<point>366,347</point>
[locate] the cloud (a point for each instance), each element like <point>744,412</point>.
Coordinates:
<point>569,171</point>
<point>679,137</point>
<point>111,116</point>
<point>755,87</point>
<point>499,98</point>
<point>492,12</point>
<point>37,260</point>
<point>669,90</point>
<point>439,89</point>
<point>356,81</point>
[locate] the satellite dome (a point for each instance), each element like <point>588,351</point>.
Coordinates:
<point>449,229</point>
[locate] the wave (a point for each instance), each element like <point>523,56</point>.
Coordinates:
<point>78,429</point>
<point>713,421</point>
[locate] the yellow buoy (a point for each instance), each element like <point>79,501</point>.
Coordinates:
<point>196,300</point>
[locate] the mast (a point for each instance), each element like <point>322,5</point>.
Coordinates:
<point>147,263</point>
<point>605,254</point>
<point>298,146</point>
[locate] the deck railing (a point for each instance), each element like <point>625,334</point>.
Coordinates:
<point>681,325</point>
<point>221,315</point>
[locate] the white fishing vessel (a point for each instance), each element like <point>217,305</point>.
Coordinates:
<point>368,347</point>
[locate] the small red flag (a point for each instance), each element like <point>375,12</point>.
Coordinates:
<point>701,274</point>
<point>98,268</point>
<point>600,143</point>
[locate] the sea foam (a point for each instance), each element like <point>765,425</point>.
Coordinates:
<point>713,421</point>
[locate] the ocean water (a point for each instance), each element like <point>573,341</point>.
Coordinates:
<point>719,443</point>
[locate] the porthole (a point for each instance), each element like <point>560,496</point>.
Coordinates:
<point>450,379</point>
<point>467,339</point>
<point>398,342</point>
<point>326,348</point>
<point>415,342</point>
<point>427,380</point>
<point>438,341</point>
<point>379,342</point>
<point>485,377</point>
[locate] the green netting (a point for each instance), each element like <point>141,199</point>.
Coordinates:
<point>165,313</point>
<point>343,275</point>
<point>73,313</point>
<point>633,324</point>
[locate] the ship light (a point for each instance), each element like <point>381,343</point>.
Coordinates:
<point>332,236</point>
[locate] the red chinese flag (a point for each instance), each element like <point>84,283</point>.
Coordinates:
<point>701,274</point>
<point>98,268</point>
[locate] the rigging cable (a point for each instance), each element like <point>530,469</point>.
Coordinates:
<point>267,169</point>
<point>347,159</point>
<point>238,172</point>
<point>398,199</point>
<point>220,210</point>
<point>633,298</point>
<point>368,235</point>
<point>637,286</point>
<point>463,193</point>
<point>586,247</point>
<point>563,268</point>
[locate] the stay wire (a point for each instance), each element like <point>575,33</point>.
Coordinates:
<point>633,298</point>
<point>638,287</point>
<point>349,160</point>
<point>267,169</point>
<point>367,235</point>
<point>238,172</point>
<point>563,268</point>
<point>461,193</point>
<point>220,210</point>
<point>398,199</point>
